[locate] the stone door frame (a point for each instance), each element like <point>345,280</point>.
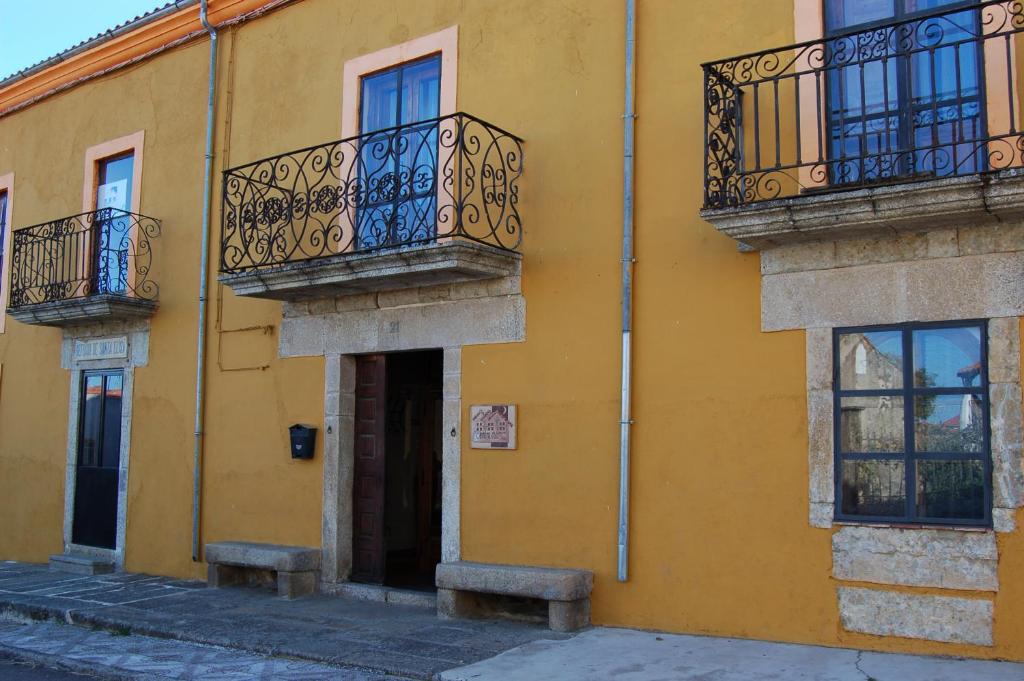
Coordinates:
<point>448,317</point>
<point>137,336</point>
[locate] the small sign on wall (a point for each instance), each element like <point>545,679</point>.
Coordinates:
<point>112,195</point>
<point>492,426</point>
<point>101,348</point>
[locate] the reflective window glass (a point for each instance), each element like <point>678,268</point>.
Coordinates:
<point>871,360</point>
<point>912,432</point>
<point>874,488</point>
<point>3,229</point>
<point>92,413</point>
<point>951,489</point>
<point>947,358</point>
<point>948,423</point>
<point>871,424</point>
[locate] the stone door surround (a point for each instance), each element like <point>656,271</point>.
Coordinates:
<point>445,317</point>
<point>137,335</point>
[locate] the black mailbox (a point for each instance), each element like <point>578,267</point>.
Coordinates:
<point>303,441</point>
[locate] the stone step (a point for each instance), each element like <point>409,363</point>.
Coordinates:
<point>381,594</point>
<point>80,564</point>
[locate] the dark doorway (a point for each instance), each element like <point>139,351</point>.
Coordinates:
<point>99,452</point>
<point>397,477</point>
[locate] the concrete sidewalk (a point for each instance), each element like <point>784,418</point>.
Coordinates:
<point>379,638</point>
<point>627,655</point>
<point>143,627</point>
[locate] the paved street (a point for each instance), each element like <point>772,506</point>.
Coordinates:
<point>114,656</point>
<point>20,671</point>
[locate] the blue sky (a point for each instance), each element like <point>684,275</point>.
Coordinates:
<point>31,31</point>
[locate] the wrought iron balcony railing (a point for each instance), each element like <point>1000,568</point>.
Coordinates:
<point>933,95</point>
<point>103,252</point>
<point>453,177</point>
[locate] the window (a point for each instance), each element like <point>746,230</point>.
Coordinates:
<point>911,426</point>
<point>905,101</point>
<point>398,168</point>
<point>3,231</point>
<point>6,208</point>
<point>99,453</point>
<point>112,235</point>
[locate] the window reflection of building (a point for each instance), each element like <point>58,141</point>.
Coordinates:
<point>875,423</point>
<point>912,421</point>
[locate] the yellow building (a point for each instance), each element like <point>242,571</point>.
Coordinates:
<point>814,433</point>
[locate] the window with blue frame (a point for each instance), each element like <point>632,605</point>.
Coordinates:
<point>911,424</point>
<point>398,155</point>
<point>3,233</point>
<point>905,90</point>
<point>112,228</point>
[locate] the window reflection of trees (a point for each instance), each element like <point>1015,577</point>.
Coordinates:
<point>874,488</point>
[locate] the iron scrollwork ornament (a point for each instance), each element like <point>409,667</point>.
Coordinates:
<point>452,177</point>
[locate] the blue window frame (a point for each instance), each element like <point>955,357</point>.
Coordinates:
<point>399,108</point>
<point>907,99</point>
<point>3,232</point>
<point>911,432</point>
<point>112,236</point>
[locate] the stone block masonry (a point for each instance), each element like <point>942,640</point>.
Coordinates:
<point>934,618</point>
<point>946,559</point>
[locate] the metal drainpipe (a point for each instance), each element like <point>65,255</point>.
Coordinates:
<point>625,419</point>
<point>204,263</point>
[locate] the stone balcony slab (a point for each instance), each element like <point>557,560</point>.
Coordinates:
<point>445,262</point>
<point>920,206</point>
<point>87,310</point>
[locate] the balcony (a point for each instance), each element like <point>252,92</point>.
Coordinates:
<point>914,124</point>
<point>82,269</point>
<point>428,203</point>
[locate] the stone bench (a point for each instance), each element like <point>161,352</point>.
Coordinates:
<point>297,567</point>
<point>566,591</point>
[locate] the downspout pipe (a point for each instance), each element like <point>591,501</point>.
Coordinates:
<point>204,266</point>
<point>626,418</point>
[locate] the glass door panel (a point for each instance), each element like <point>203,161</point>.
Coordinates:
<point>398,168</point>
<point>3,231</point>
<point>903,101</point>
<point>112,228</point>
<point>99,451</point>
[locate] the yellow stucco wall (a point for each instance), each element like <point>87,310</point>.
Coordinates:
<point>720,538</point>
<point>251,482</point>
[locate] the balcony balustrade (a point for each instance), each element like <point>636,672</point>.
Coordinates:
<point>909,124</point>
<point>432,202</point>
<point>84,268</point>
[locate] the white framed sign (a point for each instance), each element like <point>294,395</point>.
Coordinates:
<point>112,195</point>
<point>492,426</point>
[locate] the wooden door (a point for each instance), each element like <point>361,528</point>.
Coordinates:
<point>99,450</point>
<point>368,550</point>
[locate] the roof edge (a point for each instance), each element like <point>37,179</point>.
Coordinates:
<point>88,44</point>
<point>135,41</point>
